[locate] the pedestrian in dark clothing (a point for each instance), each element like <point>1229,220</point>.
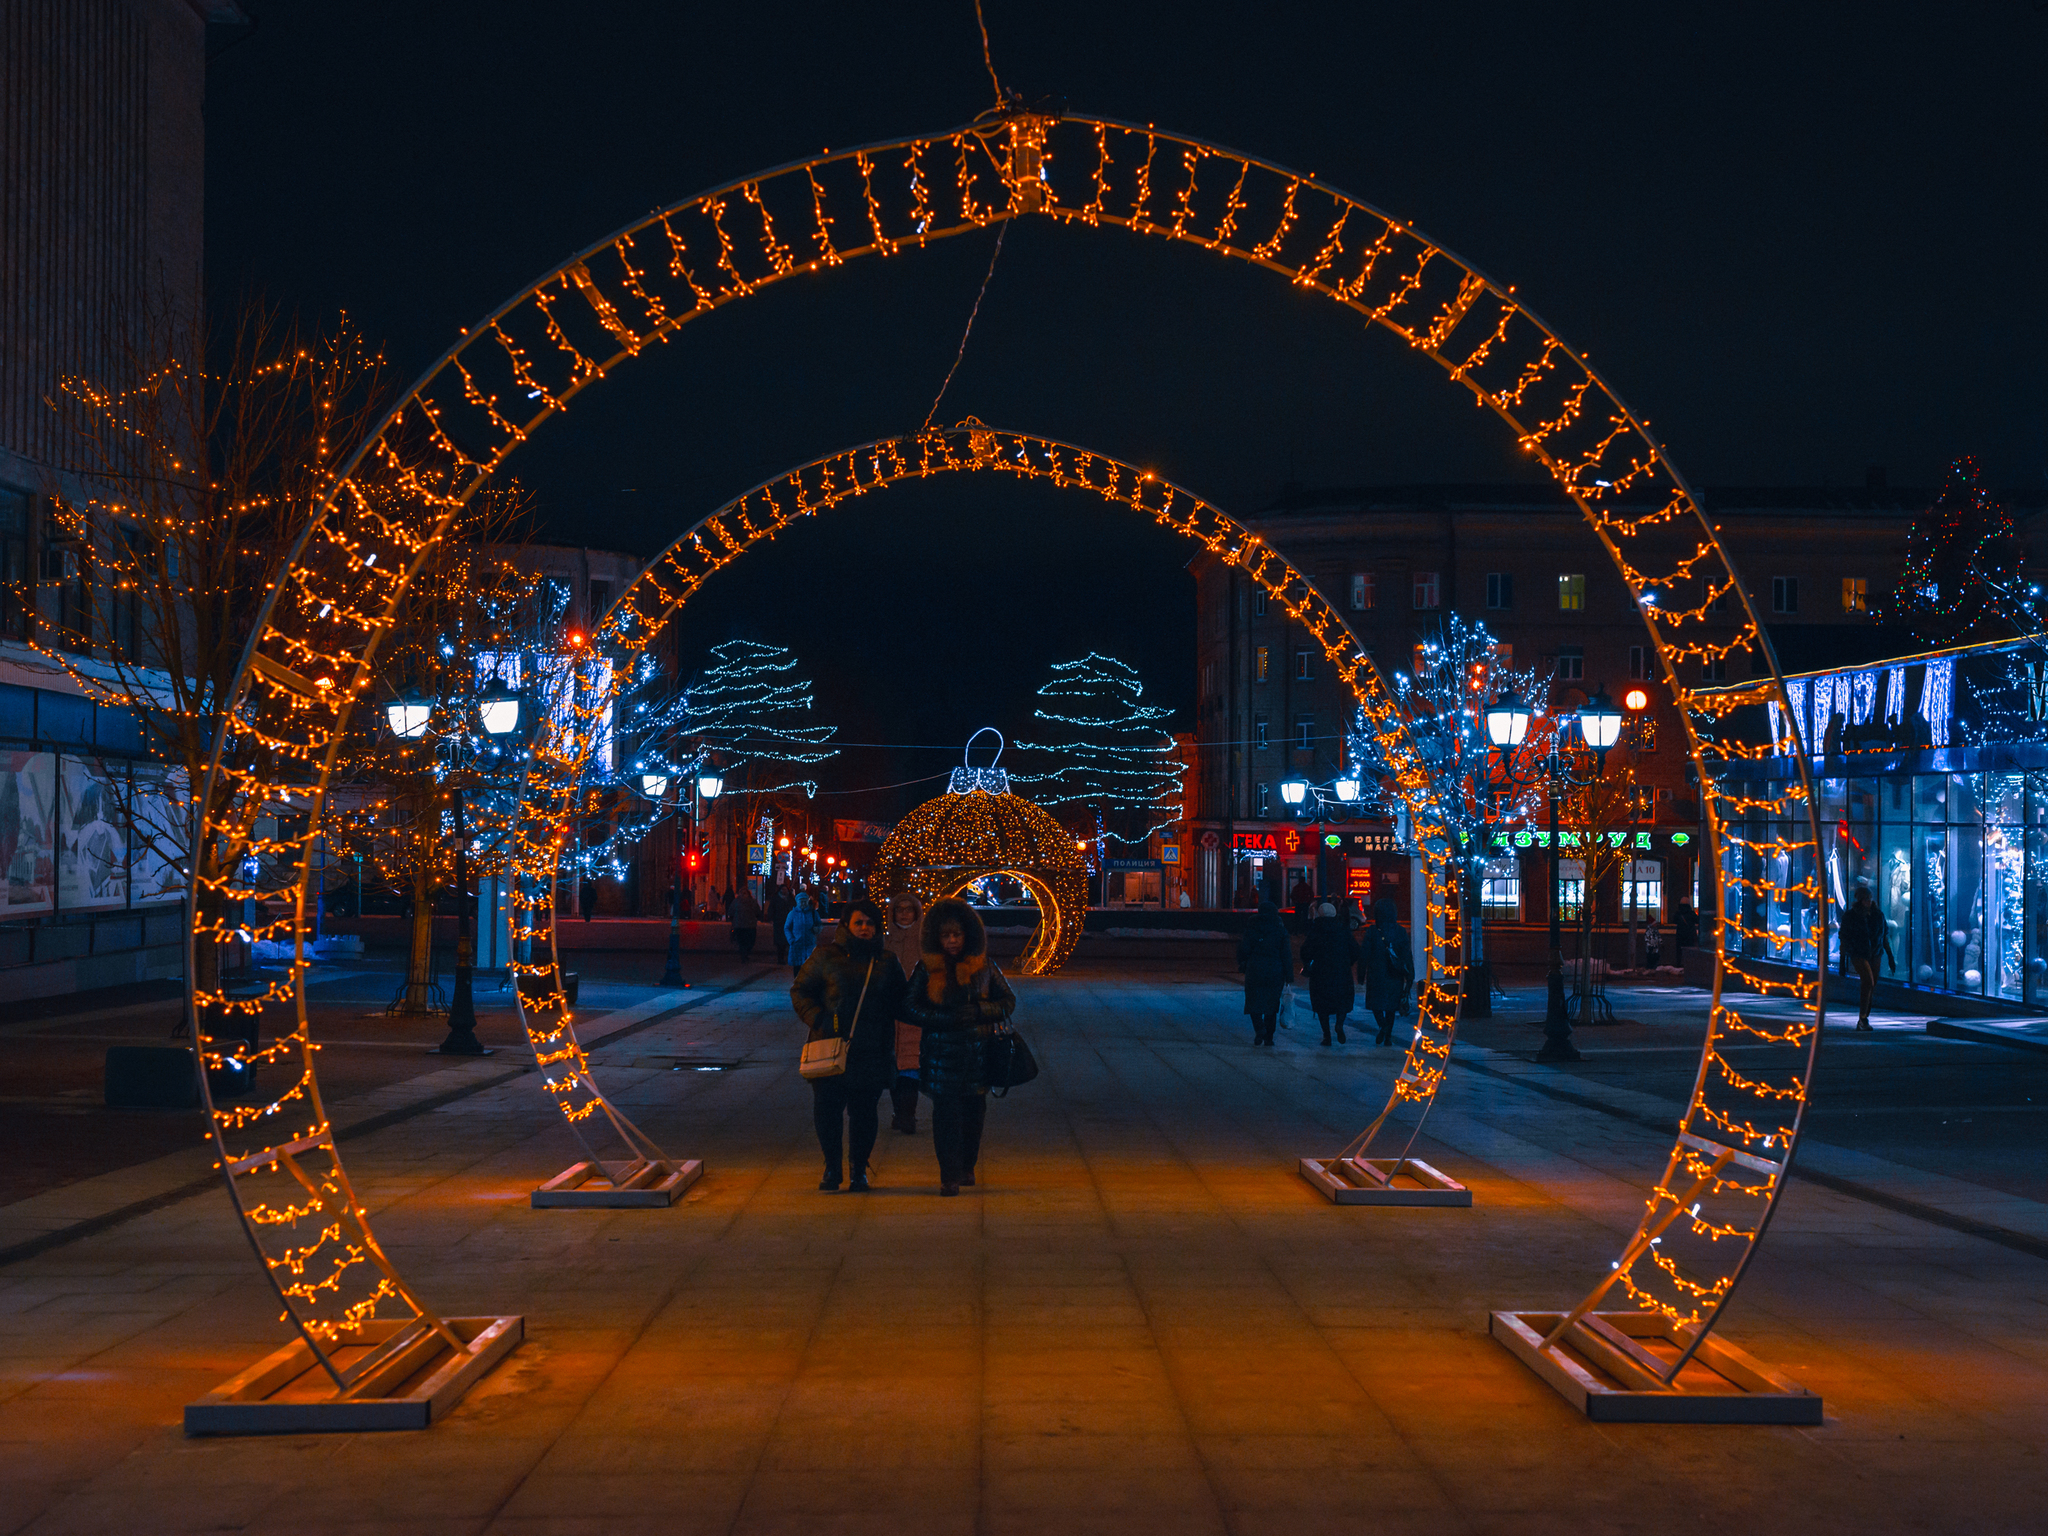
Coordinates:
<point>1300,899</point>
<point>800,930</point>
<point>958,998</point>
<point>1865,936</point>
<point>1266,956</point>
<point>1386,965</point>
<point>587,899</point>
<point>1653,944</point>
<point>851,988</point>
<point>905,939</point>
<point>780,904</point>
<point>744,913</point>
<point>1685,931</point>
<point>1329,954</point>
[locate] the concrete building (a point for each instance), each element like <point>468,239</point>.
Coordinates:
<point>102,157</point>
<point>1394,560</point>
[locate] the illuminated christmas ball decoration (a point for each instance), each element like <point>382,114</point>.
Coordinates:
<point>946,844</point>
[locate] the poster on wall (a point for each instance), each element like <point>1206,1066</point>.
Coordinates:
<point>92,855</point>
<point>157,837</point>
<point>28,833</point>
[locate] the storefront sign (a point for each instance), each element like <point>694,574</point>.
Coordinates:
<point>1527,837</point>
<point>1136,863</point>
<point>860,832</point>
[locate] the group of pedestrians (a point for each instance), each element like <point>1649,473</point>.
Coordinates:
<point>793,920</point>
<point>1337,955</point>
<point>922,1033</point>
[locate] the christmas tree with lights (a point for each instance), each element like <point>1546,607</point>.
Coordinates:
<point>1115,761</point>
<point>1961,580</point>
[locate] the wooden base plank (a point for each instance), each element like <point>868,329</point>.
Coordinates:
<point>1599,1367</point>
<point>287,1393</point>
<point>590,1184</point>
<point>1372,1181</point>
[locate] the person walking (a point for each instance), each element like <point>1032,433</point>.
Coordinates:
<point>586,898</point>
<point>958,998</point>
<point>744,913</point>
<point>800,930</point>
<point>1653,943</point>
<point>780,904</point>
<point>1865,936</point>
<point>906,942</point>
<point>1328,955</point>
<point>851,989</point>
<point>1300,898</point>
<point>1685,930</point>
<point>1386,966</point>
<point>1266,956</point>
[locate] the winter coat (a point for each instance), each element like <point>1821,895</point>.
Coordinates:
<point>955,1003</point>
<point>1328,955</point>
<point>826,992</point>
<point>744,912</point>
<point>1685,926</point>
<point>905,942</point>
<point>1388,965</point>
<point>1865,935</point>
<point>801,929</point>
<point>1266,956</point>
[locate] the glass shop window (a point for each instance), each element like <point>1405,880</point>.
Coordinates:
<point>1571,594</point>
<point>1571,888</point>
<point>1500,889</point>
<point>1645,889</point>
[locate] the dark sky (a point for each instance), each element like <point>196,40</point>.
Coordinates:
<point>1802,239</point>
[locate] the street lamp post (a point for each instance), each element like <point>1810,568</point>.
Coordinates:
<point>707,786</point>
<point>1507,727</point>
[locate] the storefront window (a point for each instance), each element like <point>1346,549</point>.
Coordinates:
<point>1500,890</point>
<point>1571,888</point>
<point>1966,893</point>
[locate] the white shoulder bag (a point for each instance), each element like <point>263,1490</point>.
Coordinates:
<point>827,1057</point>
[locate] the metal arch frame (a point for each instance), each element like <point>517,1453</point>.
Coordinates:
<point>298,682</point>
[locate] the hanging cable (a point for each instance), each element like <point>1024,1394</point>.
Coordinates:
<point>959,356</point>
<point>987,57</point>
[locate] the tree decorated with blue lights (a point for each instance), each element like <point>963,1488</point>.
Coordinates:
<point>1113,762</point>
<point>1961,580</point>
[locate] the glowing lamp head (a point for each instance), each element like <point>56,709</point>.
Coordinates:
<point>654,785</point>
<point>1600,721</point>
<point>408,715</point>
<point>1635,699</point>
<point>710,785</point>
<point>1347,788</point>
<point>500,711</point>
<point>1294,791</point>
<point>784,843</point>
<point>1507,720</point>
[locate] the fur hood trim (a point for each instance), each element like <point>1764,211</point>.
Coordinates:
<point>941,975</point>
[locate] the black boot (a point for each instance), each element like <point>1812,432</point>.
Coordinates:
<point>1340,1029</point>
<point>1324,1020</point>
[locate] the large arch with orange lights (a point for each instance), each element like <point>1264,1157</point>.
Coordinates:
<point>312,657</point>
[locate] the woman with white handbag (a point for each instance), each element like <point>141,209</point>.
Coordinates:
<point>848,994</point>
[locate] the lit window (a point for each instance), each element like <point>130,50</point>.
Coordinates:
<point>1304,666</point>
<point>1500,589</point>
<point>1425,589</point>
<point>1855,595</point>
<point>1500,889</point>
<point>1784,594</point>
<point>1361,590</point>
<point>1262,663</point>
<point>1571,663</point>
<point>1571,594</point>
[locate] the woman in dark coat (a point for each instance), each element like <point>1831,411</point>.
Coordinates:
<point>825,995</point>
<point>1266,956</point>
<point>1328,954</point>
<point>1387,966</point>
<point>958,998</point>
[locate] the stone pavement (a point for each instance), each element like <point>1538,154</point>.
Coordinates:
<point>1142,1320</point>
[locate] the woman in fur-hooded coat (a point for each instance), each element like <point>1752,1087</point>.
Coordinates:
<point>957,997</point>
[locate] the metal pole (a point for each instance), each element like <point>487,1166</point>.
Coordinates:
<point>1557,1028</point>
<point>462,1040</point>
<point>673,975</point>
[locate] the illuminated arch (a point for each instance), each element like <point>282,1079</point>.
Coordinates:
<point>312,654</point>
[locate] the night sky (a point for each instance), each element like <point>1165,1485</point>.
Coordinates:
<point>1803,240</point>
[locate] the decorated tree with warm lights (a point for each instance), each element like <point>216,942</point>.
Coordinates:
<point>1961,580</point>
<point>193,470</point>
<point>751,715</point>
<point>1459,669</point>
<point>1113,765</point>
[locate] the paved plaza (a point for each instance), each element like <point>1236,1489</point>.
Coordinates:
<point>1142,1320</point>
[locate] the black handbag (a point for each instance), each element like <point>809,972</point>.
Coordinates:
<point>1008,1062</point>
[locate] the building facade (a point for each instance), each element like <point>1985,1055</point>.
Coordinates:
<point>102,156</point>
<point>1396,561</point>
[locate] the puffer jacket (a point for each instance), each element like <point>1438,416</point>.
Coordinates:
<point>826,992</point>
<point>1328,954</point>
<point>955,1003</point>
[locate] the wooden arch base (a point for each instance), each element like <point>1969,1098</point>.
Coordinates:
<point>393,1374</point>
<point>651,1181</point>
<point>1617,1368</point>
<point>1383,1181</point>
